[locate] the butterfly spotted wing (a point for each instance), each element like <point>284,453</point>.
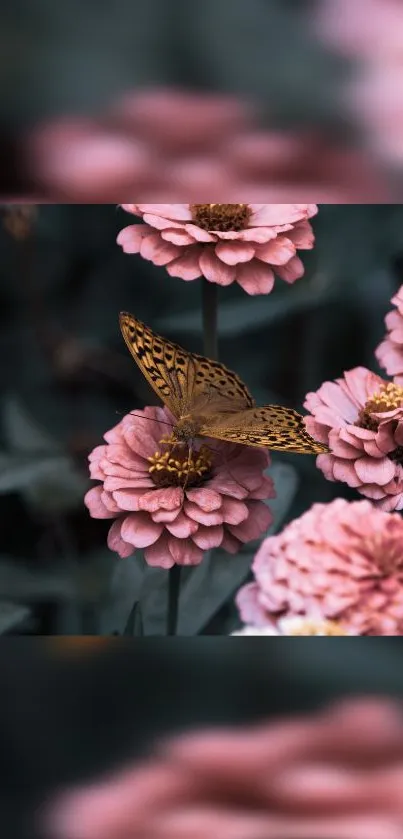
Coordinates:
<point>186,382</point>
<point>273,426</point>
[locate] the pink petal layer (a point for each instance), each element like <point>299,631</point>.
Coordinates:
<point>140,531</point>
<point>255,278</point>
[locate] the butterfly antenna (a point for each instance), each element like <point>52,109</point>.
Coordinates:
<point>141,416</point>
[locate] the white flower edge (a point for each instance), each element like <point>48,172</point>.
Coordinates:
<point>297,626</point>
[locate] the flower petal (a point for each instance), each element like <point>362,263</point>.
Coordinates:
<point>185,552</point>
<point>233,253</point>
<point>233,511</point>
<point>132,237</point>
<point>275,214</point>
<point>201,516</point>
<point>278,252</point>
<point>94,501</point>
<point>214,270</point>
<point>139,530</point>
<point>372,471</point>
<point>117,543</point>
<point>177,237</point>
<point>206,499</point>
<point>158,555</point>
<point>155,249</point>
<point>258,522</point>
<point>208,538</point>
<point>177,212</point>
<point>255,277</point>
<point>294,270</point>
<point>128,499</point>
<point>182,527</point>
<point>169,498</point>
<point>186,266</point>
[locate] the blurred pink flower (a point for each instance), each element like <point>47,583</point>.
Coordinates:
<point>175,506</point>
<point>360,417</point>
<point>372,31</point>
<point>334,773</point>
<point>390,352</point>
<point>180,122</point>
<point>169,144</point>
<point>367,28</point>
<point>288,165</point>
<point>225,243</point>
<point>78,159</point>
<point>342,560</point>
<point>375,97</point>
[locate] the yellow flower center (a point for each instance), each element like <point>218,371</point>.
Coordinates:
<point>221,217</point>
<point>311,628</point>
<point>180,466</point>
<point>389,397</point>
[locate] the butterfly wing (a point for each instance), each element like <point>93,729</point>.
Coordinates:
<point>186,382</point>
<point>218,390</point>
<point>273,426</point>
<point>166,366</point>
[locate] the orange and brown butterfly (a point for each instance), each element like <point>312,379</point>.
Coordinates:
<point>208,400</point>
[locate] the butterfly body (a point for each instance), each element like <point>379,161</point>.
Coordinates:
<point>208,400</point>
<point>186,428</point>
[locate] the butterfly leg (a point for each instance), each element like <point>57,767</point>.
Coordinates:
<point>173,444</point>
<point>169,440</point>
<point>188,463</point>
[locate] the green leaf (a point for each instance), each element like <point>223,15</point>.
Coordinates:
<point>58,489</point>
<point>22,432</point>
<point>241,316</point>
<point>126,588</point>
<point>134,626</point>
<point>14,618</point>
<point>20,471</point>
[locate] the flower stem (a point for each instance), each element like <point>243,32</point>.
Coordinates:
<point>174,585</point>
<point>210,319</point>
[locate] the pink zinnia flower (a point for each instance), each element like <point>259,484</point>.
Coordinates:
<point>371,30</point>
<point>343,561</point>
<point>175,505</point>
<point>303,776</point>
<point>360,417</point>
<point>225,243</point>
<point>368,28</point>
<point>390,352</point>
<point>298,626</point>
<point>282,165</point>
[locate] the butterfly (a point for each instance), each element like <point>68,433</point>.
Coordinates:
<point>208,400</point>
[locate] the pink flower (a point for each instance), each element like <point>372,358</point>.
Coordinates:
<point>390,352</point>
<point>298,626</point>
<point>285,165</point>
<point>334,773</point>
<point>368,28</point>
<point>360,417</point>
<point>225,243</point>
<point>343,561</point>
<point>175,505</point>
<point>372,31</point>
<point>179,122</point>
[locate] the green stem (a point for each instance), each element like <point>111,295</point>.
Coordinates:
<point>174,586</point>
<point>210,319</point>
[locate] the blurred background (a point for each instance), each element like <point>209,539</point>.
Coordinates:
<point>324,108</point>
<point>66,378</point>
<point>72,712</point>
